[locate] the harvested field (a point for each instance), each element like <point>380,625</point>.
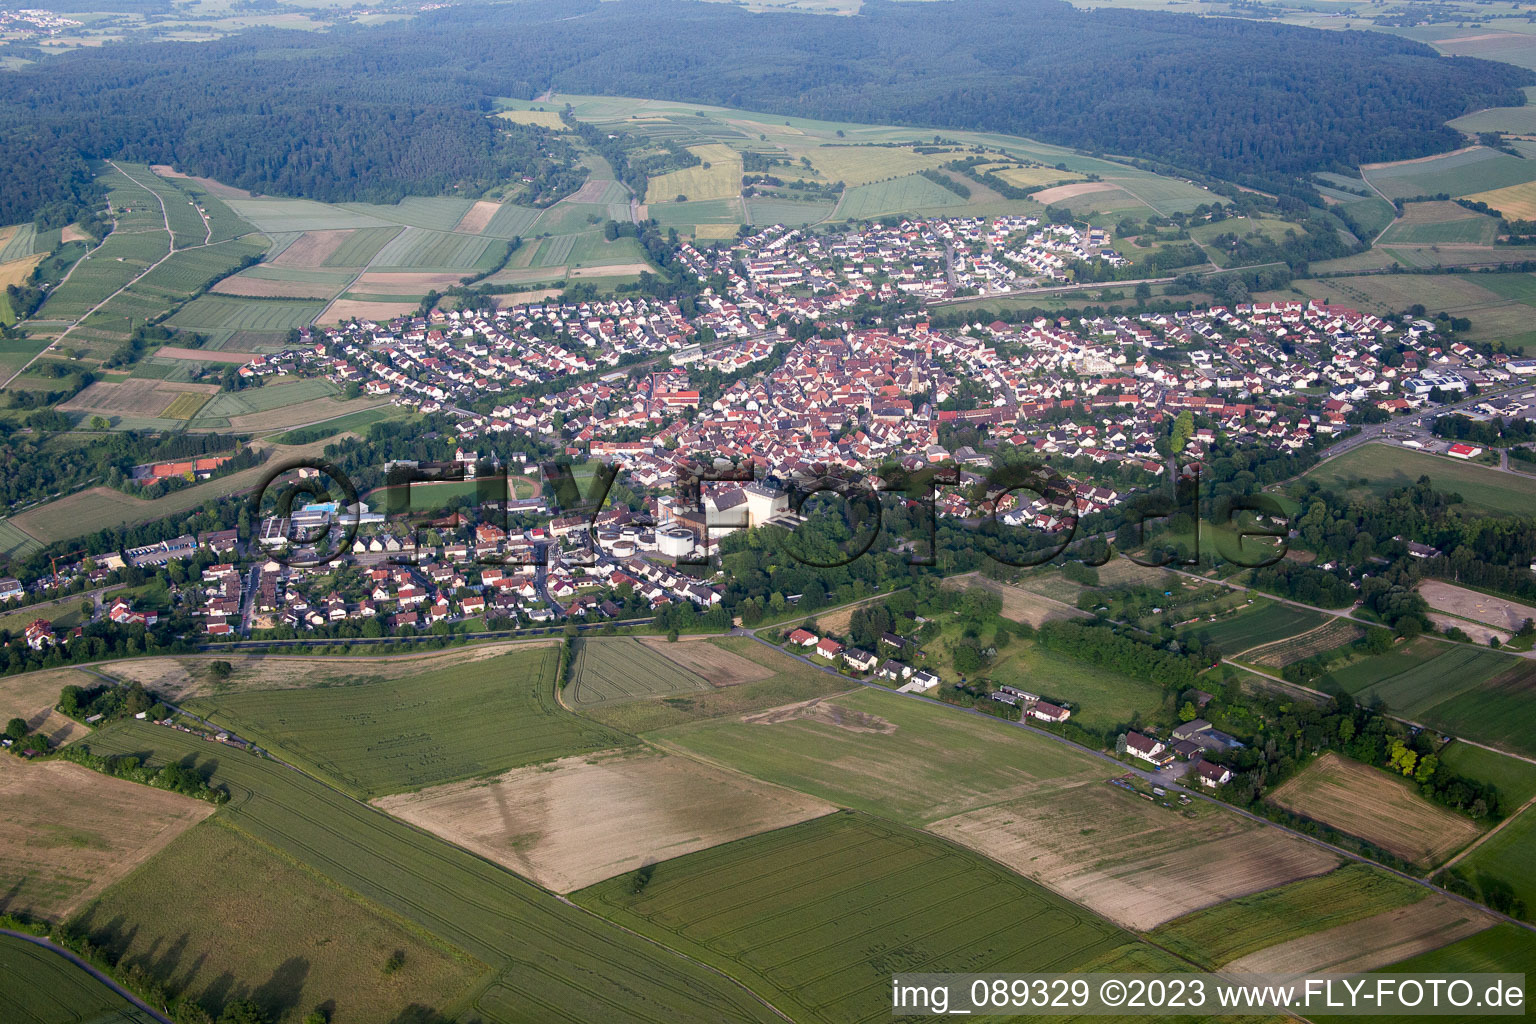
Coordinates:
<point>362,309</point>
<point>313,248</point>
<point>613,270</point>
<point>32,696</point>
<point>1061,192</point>
<point>716,665</point>
<point>1498,612</point>
<point>1368,803</point>
<point>583,819</point>
<point>72,233</point>
<point>132,397</point>
<point>264,289</point>
<point>1479,633</point>
<point>1279,653</point>
<point>1373,942</point>
<point>16,271</point>
<point>395,283</point>
<point>184,406</point>
<point>203,355</point>
<point>69,833</point>
<point>1018,604</point>
<point>1132,861</point>
<point>477,217</point>
<point>542,118</point>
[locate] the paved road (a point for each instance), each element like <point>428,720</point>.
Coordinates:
<point>54,947</point>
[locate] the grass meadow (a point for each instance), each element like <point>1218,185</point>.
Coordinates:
<point>1375,470</point>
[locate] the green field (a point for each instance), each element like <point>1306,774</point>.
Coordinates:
<point>356,422</point>
<point>1456,174</point>
<point>553,961</point>
<point>1502,948</point>
<point>19,245</point>
<point>438,250</point>
<point>908,760</point>
<point>1477,230</point>
<point>1102,698</point>
<point>431,212</point>
<point>15,542</point>
<point>406,734</point>
<point>117,261</point>
<point>618,669</point>
<point>788,213</point>
<point>1386,469</point>
<point>818,916</point>
<point>512,221</point>
<point>218,312</point>
<point>299,941</point>
<point>791,681</point>
<point>38,986</point>
<point>1261,623</point>
<point>299,215</point>
<point>1223,933</point>
<point>269,396</point>
<point>1463,690</point>
<point>899,195</point>
<point>1510,855</point>
<point>1515,778</point>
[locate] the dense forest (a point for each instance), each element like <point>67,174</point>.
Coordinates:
<point>377,113</point>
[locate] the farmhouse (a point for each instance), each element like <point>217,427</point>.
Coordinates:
<point>1148,748</point>
<point>1048,712</point>
<point>804,638</point>
<point>1213,775</point>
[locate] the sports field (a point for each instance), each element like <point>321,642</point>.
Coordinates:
<point>38,986</point>
<point>417,731</point>
<point>1218,935</point>
<point>68,832</point>
<point>583,819</point>
<point>610,670</point>
<point>1367,802</point>
<point>219,912</point>
<point>818,916</point>
<point>552,962</point>
<point>1387,468</point>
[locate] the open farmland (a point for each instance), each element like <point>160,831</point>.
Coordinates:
<point>427,249</point>
<point>608,670</point>
<point>847,749</point>
<point>418,730</point>
<point>1515,202</point>
<point>1469,604</point>
<point>33,695</point>
<point>784,681</point>
<point>1262,622</point>
<point>1019,604</point>
<point>911,192</point>
<point>1462,173</point>
<point>38,986</point>
<point>1134,862</point>
<point>1386,469</point>
<point>1329,636</point>
<point>552,962</point>
<point>1371,942</point>
<point>274,395</point>
<point>134,398</point>
<point>583,819</point>
<point>1217,935</point>
<point>1434,223</point>
<point>68,832</point>
<point>1368,803</point>
<point>1103,698</point>
<point>214,312</point>
<point>818,916</point>
<point>1515,778</point>
<point>1509,855</point>
<point>279,932</point>
<point>718,176</point>
<point>717,665</point>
